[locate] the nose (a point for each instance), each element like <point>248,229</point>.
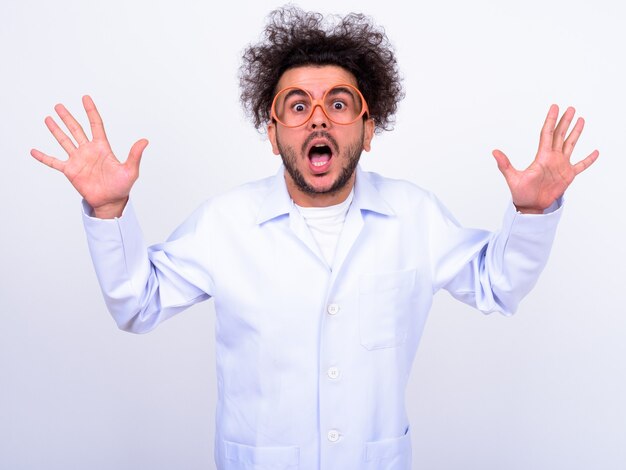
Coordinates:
<point>318,118</point>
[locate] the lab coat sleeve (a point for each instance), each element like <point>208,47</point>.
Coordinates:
<point>492,271</point>
<point>144,286</point>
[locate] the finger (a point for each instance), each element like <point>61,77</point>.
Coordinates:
<point>572,138</point>
<point>59,135</point>
<point>504,164</point>
<point>547,131</point>
<point>134,156</point>
<point>586,163</point>
<point>95,121</point>
<point>562,127</point>
<point>72,124</point>
<point>48,160</point>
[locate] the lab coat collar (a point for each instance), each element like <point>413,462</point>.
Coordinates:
<point>367,197</point>
<point>278,202</point>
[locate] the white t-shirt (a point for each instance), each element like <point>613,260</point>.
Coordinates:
<point>326,224</point>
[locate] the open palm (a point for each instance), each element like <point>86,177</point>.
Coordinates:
<point>92,168</point>
<point>549,175</point>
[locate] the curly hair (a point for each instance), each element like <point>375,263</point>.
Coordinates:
<point>294,37</point>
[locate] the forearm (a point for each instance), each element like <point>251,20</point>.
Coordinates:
<point>516,258</point>
<point>508,266</point>
<point>137,290</point>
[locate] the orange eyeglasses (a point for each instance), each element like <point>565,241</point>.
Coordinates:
<point>342,104</point>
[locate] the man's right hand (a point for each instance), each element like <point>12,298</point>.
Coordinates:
<point>91,167</point>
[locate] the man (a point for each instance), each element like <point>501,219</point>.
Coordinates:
<point>323,274</point>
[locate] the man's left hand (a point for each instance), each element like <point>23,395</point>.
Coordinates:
<point>548,176</point>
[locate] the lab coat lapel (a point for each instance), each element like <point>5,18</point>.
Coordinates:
<point>351,230</point>
<point>277,204</point>
<point>366,199</point>
<point>301,230</point>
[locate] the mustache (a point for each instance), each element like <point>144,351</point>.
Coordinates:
<point>317,135</point>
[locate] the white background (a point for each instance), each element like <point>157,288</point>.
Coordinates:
<point>545,389</point>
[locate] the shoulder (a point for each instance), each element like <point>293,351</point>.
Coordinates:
<point>398,193</point>
<point>407,201</point>
<point>245,193</point>
<point>241,203</point>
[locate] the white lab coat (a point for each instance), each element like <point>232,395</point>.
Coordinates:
<point>312,360</point>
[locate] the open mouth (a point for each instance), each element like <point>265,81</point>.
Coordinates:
<point>320,154</point>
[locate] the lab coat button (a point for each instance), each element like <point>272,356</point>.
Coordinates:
<point>333,309</point>
<point>333,372</point>
<point>333,435</point>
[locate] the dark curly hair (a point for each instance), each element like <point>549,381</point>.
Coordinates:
<point>294,37</point>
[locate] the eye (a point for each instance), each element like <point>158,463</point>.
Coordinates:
<point>338,105</point>
<point>298,107</point>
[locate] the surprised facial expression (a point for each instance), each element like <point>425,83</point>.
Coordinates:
<point>320,156</point>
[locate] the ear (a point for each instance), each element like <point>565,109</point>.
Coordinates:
<point>271,133</point>
<point>368,134</point>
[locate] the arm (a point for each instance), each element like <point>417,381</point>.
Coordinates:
<point>144,286</point>
<point>91,166</point>
<point>550,174</point>
<point>139,291</point>
<point>493,272</point>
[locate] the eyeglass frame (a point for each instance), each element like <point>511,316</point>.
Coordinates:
<point>320,102</point>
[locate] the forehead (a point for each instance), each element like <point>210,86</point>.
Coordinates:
<point>315,78</point>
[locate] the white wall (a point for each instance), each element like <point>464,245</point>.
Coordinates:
<point>542,390</point>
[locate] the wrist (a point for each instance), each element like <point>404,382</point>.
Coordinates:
<point>528,210</point>
<point>110,210</point>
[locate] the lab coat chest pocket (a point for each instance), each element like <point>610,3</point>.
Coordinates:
<point>244,457</point>
<point>386,301</point>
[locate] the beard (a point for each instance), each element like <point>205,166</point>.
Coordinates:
<point>351,157</point>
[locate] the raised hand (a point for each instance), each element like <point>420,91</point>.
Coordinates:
<point>92,168</point>
<point>549,175</point>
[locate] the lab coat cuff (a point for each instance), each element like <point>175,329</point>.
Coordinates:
<point>121,235</point>
<point>110,228</point>
<point>534,223</point>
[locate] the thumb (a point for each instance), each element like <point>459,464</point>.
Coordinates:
<point>134,156</point>
<point>504,164</point>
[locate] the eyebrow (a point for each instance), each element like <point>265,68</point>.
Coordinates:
<point>294,91</point>
<point>339,89</point>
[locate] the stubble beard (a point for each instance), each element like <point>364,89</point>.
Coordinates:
<point>352,156</point>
